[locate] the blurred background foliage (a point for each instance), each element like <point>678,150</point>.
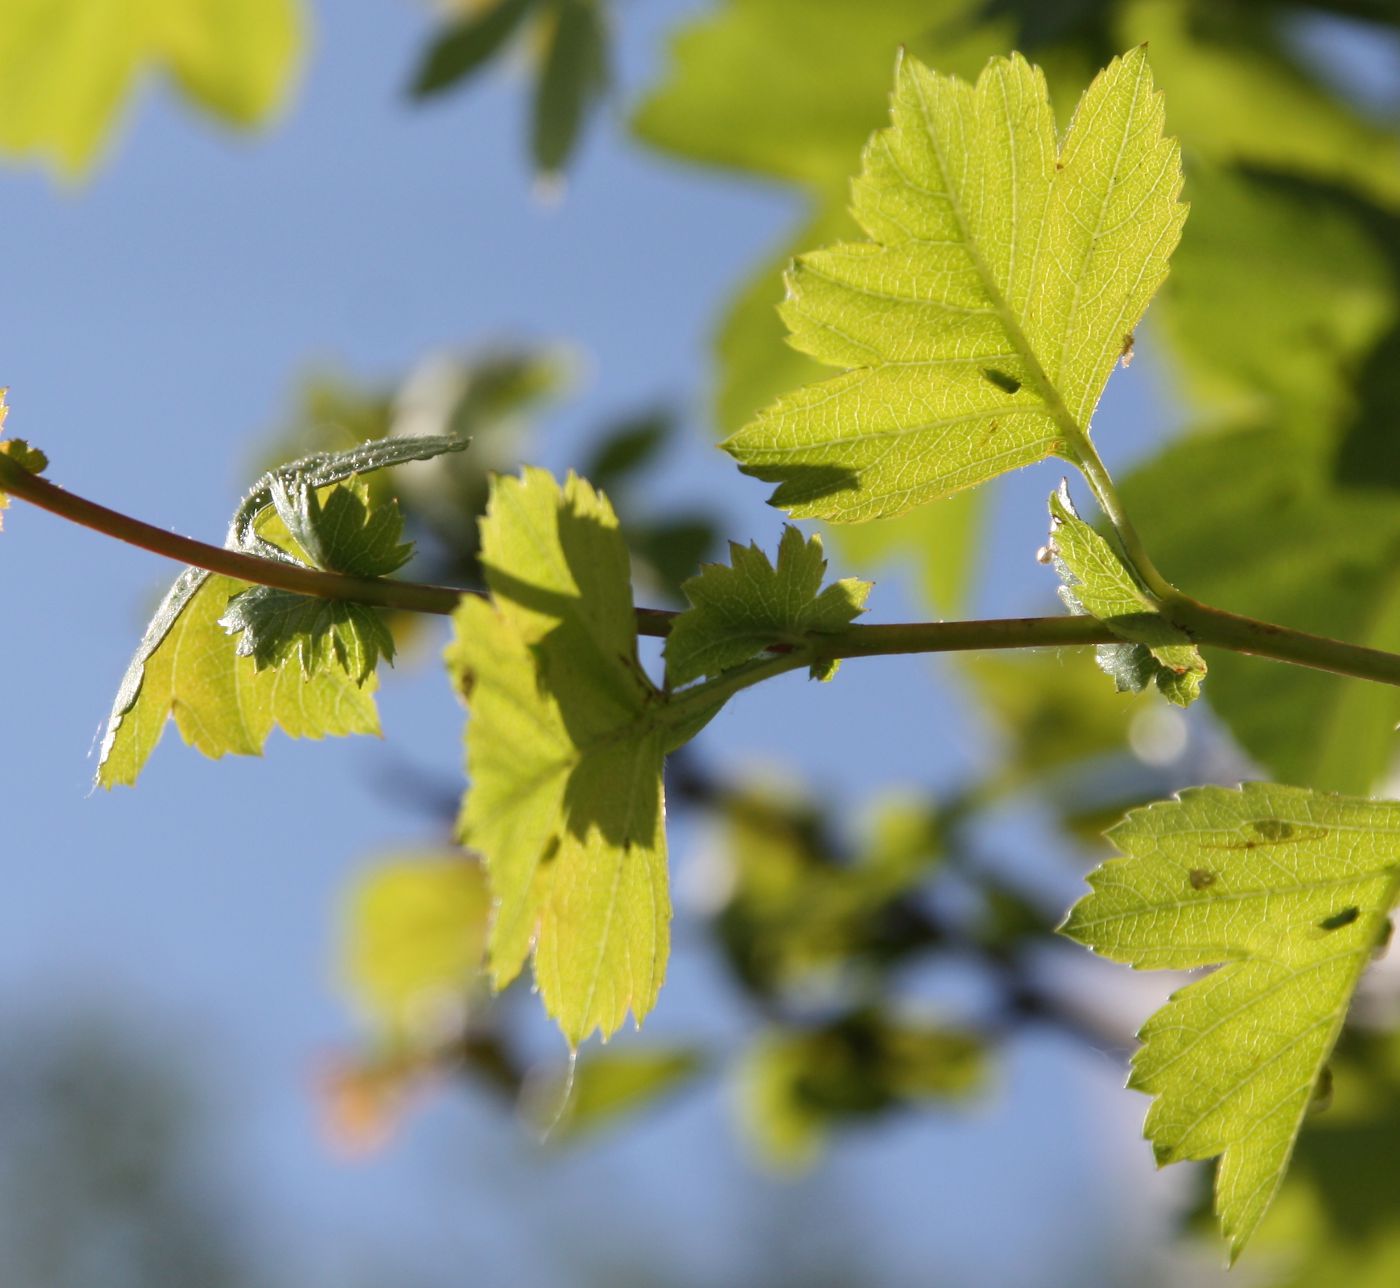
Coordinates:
<point>1279,332</point>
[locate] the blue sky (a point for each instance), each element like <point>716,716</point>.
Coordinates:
<point>157,321</point>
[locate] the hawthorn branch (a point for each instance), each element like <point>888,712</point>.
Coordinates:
<point>1210,627</point>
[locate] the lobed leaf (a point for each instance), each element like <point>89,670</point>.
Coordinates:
<point>564,750</point>
<point>1096,581</point>
<point>1004,275</point>
<point>225,699</point>
<point>1290,889</point>
<point>71,64</point>
<point>738,611</point>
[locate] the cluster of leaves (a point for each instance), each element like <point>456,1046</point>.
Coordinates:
<point>991,271</point>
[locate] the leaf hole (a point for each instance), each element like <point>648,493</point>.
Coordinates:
<point>1201,879</point>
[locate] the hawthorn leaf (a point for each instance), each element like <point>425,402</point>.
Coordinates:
<point>413,942</point>
<point>71,65</point>
<point>572,78</point>
<point>189,666</point>
<point>346,533</point>
<point>19,453</point>
<point>980,323</point>
<point>1290,889</point>
<point>739,610</point>
<point>565,743</point>
<point>1096,581</point>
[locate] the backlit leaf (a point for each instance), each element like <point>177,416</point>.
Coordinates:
<point>1096,581</point>
<point>980,322</point>
<point>188,666</point>
<point>71,64</point>
<point>737,611</point>
<point>1290,889</point>
<point>564,751</point>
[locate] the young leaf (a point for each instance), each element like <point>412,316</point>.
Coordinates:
<point>737,611</point>
<point>564,751</point>
<point>1291,890</point>
<point>345,533</point>
<point>1097,582</point>
<point>187,665</point>
<point>18,453</point>
<point>980,322</point>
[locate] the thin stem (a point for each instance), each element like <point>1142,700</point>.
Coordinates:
<point>1211,627</point>
<point>1090,464</point>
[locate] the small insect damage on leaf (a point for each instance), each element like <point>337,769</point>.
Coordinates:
<point>1339,919</point>
<point>1125,354</point>
<point>1003,381</point>
<point>1201,879</point>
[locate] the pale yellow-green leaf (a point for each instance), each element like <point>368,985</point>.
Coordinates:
<point>188,667</point>
<point>1290,890</point>
<point>739,609</point>
<point>1096,581</point>
<point>564,751</point>
<point>413,944</point>
<point>1005,272</point>
<point>69,65</point>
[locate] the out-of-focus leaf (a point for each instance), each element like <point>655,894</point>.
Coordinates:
<point>608,1085</point>
<point>800,909</point>
<point>1004,275</point>
<point>1051,711</point>
<point>1291,889</point>
<point>1237,96</point>
<point>71,64</point>
<point>1270,347</point>
<point>413,943</point>
<point>737,611</point>
<point>572,79</point>
<point>799,1084</point>
<point>1095,580</point>
<point>628,448</point>
<point>467,44</point>
<point>1231,519</point>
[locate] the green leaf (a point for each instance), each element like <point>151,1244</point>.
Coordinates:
<point>1097,582</point>
<point>70,65</point>
<point>573,77</point>
<point>1291,890</point>
<point>467,45</point>
<point>738,611</point>
<point>564,751</point>
<point>187,665</point>
<point>278,626</point>
<point>1004,276</point>
<point>413,943</point>
<point>345,532</point>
